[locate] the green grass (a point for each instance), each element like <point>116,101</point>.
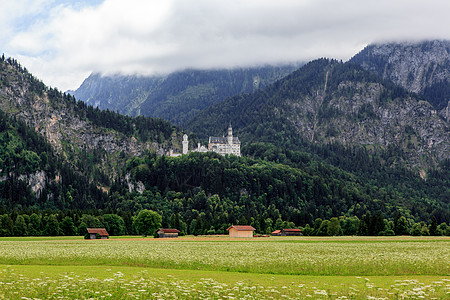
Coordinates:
<point>83,282</point>
<point>212,267</point>
<point>40,238</point>
<point>292,256</point>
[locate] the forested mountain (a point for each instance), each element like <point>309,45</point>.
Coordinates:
<point>348,117</point>
<point>72,165</point>
<point>327,102</point>
<point>419,67</point>
<point>178,96</point>
<point>32,176</point>
<point>93,143</point>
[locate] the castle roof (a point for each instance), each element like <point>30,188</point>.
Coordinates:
<point>223,140</point>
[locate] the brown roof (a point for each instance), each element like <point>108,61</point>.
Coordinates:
<point>169,230</point>
<point>292,230</point>
<point>100,231</point>
<point>276,232</point>
<point>242,227</point>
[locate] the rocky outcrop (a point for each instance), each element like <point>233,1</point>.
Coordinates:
<point>53,116</point>
<point>419,67</point>
<point>413,66</point>
<point>356,113</point>
<point>36,181</point>
<point>64,129</point>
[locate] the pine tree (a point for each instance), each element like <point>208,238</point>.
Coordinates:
<point>433,226</point>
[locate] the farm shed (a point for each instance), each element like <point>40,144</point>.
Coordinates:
<point>291,232</point>
<point>276,233</point>
<point>100,231</point>
<point>240,231</point>
<point>168,233</point>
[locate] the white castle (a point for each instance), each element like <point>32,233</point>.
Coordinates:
<point>222,145</point>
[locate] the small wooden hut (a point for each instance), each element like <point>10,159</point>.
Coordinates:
<point>276,233</point>
<point>168,233</point>
<point>238,231</point>
<point>291,232</point>
<point>100,231</point>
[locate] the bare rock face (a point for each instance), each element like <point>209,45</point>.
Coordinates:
<point>413,66</point>
<point>420,67</point>
<point>64,129</point>
<point>56,119</point>
<point>358,112</point>
<point>36,181</point>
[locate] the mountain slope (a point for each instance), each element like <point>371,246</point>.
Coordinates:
<point>420,67</point>
<point>326,102</point>
<point>94,163</point>
<point>75,129</point>
<point>33,176</point>
<point>178,96</point>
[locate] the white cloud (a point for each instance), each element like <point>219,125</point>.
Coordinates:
<point>147,36</point>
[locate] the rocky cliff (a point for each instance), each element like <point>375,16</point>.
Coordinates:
<point>352,107</point>
<point>327,101</point>
<point>67,125</point>
<point>419,67</point>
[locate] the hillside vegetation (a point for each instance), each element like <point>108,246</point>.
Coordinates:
<point>328,102</point>
<point>178,96</point>
<point>68,166</point>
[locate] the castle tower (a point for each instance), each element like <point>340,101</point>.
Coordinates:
<point>230,135</point>
<point>185,144</point>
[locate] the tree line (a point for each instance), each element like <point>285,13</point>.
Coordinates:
<point>282,181</point>
<point>146,222</point>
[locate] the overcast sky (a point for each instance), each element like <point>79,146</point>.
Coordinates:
<point>62,42</point>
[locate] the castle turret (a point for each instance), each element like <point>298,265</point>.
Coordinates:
<point>230,135</point>
<point>185,144</point>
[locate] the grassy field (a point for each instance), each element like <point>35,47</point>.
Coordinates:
<point>219,268</point>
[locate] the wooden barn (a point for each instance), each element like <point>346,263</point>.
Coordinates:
<point>238,231</point>
<point>276,233</point>
<point>291,232</point>
<point>100,231</point>
<point>168,233</point>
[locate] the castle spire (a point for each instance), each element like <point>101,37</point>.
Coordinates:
<point>230,134</point>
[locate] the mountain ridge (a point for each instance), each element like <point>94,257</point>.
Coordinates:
<point>420,67</point>
<point>72,127</point>
<point>177,96</point>
<point>326,101</point>
<point>284,177</point>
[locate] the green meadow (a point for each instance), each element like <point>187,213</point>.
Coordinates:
<point>222,268</point>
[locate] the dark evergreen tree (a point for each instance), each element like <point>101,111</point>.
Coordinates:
<point>433,226</point>
<point>51,225</point>
<point>67,226</point>
<point>401,226</point>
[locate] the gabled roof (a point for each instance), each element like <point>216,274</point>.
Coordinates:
<point>242,227</point>
<point>169,230</point>
<point>276,232</point>
<point>100,231</point>
<point>291,230</point>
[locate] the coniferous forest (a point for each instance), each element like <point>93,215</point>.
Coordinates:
<point>281,181</point>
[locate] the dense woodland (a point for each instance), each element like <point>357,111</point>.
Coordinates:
<point>281,181</point>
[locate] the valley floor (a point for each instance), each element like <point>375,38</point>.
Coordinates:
<point>222,268</point>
